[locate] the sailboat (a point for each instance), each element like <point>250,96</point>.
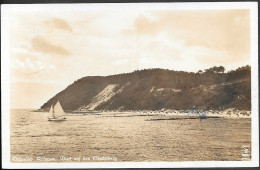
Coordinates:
<point>56,113</point>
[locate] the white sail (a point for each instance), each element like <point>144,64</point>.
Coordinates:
<point>51,113</point>
<point>58,111</point>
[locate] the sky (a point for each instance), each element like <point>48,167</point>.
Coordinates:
<point>50,50</point>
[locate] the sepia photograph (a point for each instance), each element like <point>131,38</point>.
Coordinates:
<point>130,85</point>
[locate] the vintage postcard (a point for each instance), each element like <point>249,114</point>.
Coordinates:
<point>130,85</point>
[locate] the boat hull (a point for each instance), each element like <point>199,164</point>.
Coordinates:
<point>57,119</point>
<point>203,117</point>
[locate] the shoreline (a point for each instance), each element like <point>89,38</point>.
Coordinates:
<point>228,113</point>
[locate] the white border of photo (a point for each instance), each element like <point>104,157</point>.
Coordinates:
<point>6,9</point>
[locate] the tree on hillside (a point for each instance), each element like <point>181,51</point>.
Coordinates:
<point>247,67</point>
<point>215,69</point>
<point>200,71</point>
<point>220,69</point>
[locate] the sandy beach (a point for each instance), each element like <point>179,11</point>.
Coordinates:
<point>228,113</point>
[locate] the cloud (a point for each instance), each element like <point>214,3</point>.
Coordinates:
<point>163,47</point>
<point>120,62</point>
<point>144,25</point>
<point>28,65</point>
<point>18,64</point>
<point>57,23</point>
<point>42,45</point>
<point>225,33</point>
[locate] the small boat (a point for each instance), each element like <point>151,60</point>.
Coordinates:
<point>202,116</point>
<point>56,113</point>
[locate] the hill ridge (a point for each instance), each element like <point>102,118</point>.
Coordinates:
<point>173,90</point>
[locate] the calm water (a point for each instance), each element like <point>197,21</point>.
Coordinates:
<point>128,138</point>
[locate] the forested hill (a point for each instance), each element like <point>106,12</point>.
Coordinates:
<point>154,89</point>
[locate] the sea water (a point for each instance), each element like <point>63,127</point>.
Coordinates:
<point>127,138</point>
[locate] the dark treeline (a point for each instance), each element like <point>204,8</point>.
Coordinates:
<point>138,84</point>
<point>175,79</point>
